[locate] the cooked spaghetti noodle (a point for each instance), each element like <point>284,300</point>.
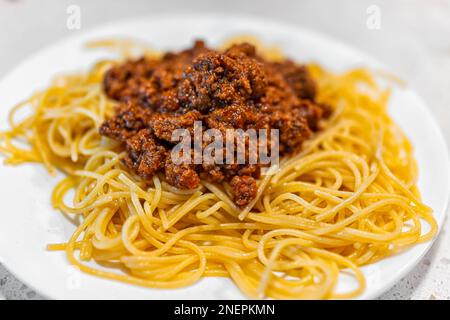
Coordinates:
<point>347,200</point>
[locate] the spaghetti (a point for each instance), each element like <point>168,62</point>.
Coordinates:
<point>348,199</point>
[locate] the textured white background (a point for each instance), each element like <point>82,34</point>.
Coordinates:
<point>414,40</point>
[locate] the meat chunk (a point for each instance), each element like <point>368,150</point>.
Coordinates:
<point>293,130</point>
<point>232,117</point>
<point>128,120</point>
<point>124,82</point>
<point>212,172</point>
<point>298,78</point>
<point>215,80</point>
<point>164,124</point>
<point>182,176</point>
<point>144,154</point>
<point>243,189</point>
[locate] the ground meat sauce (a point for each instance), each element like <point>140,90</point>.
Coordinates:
<point>234,89</point>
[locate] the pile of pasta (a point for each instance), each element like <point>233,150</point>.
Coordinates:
<point>348,199</point>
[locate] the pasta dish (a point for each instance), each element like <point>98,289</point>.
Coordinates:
<point>325,182</point>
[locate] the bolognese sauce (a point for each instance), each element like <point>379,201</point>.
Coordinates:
<point>231,89</point>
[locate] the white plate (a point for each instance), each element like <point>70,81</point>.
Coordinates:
<point>29,223</point>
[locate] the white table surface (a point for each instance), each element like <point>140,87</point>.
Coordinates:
<point>413,39</point>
